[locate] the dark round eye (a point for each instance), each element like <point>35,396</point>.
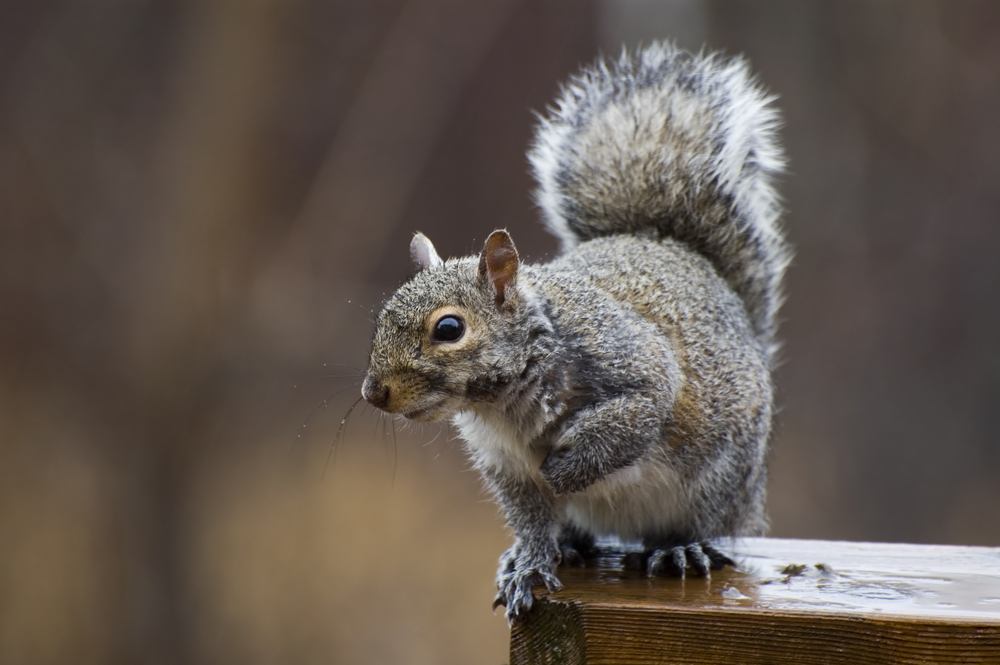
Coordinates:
<point>448,329</point>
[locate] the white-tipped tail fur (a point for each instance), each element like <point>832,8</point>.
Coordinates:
<point>673,144</point>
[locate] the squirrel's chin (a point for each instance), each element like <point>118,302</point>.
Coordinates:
<point>430,414</point>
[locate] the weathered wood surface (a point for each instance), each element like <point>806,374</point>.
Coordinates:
<point>789,601</point>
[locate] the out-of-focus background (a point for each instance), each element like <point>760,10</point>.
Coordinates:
<point>202,202</point>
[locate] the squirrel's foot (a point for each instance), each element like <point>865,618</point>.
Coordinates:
<point>676,560</point>
<point>515,593</point>
<point>518,573</point>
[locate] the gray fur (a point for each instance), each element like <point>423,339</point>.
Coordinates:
<point>676,144</point>
<point>624,388</point>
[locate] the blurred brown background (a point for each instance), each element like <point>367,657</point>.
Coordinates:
<point>201,202</point>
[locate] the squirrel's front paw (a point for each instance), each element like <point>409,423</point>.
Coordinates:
<point>515,578</point>
<point>515,589</point>
<point>560,472</point>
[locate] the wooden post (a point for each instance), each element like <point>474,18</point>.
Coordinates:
<point>789,601</point>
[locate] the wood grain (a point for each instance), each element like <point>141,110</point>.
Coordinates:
<point>788,601</point>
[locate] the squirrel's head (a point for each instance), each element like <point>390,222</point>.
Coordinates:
<point>453,335</point>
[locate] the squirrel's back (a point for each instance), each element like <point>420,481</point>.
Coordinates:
<point>670,144</point>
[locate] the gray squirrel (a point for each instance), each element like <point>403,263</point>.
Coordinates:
<point>624,388</point>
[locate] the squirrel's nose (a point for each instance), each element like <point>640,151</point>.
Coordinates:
<point>375,392</point>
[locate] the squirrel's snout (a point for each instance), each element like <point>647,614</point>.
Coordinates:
<point>375,392</point>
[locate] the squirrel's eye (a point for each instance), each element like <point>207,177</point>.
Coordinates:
<point>448,329</point>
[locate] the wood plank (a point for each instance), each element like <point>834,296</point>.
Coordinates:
<point>789,601</point>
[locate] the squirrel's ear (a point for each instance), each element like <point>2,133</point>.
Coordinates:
<point>498,263</point>
<point>423,253</point>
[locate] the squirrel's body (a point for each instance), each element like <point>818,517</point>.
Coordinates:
<point>622,389</point>
<point>649,288</point>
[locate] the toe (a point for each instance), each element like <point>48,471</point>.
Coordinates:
<point>670,561</point>
<point>520,600</point>
<point>655,564</point>
<point>678,560</point>
<point>698,560</point>
<point>718,559</point>
<point>551,582</point>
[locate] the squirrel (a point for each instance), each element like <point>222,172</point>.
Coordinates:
<point>624,388</point>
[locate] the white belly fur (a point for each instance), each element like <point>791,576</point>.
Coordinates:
<point>633,502</point>
<point>638,500</point>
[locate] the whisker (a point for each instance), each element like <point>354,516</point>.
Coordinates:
<point>369,312</point>
<point>330,455</point>
<point>395,451</point>
<point>435,438</point>
<point>301,434</point>
<point>385,436</point>
<point>354,368</point>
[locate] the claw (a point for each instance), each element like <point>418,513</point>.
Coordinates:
<point>667,561</point>
<point>674,561</point>
<point>655,563</point>
<point>718,559</point>
<point>678,558</point>
<point>698,560</point>
<point>523,566</point>
<point>551,582</point>
<point>515,590</point>
<point>520,601</point>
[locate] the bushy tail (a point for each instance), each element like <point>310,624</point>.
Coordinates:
<point>674,144</point>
